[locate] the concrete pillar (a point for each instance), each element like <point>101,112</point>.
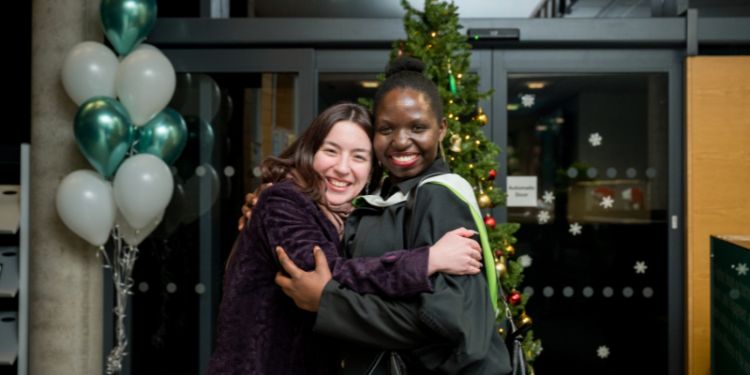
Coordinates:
<point>65,276</point>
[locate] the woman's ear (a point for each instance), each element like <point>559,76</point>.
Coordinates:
<point>443,128</point>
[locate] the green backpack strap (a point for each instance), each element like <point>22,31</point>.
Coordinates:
<point>463,190</point>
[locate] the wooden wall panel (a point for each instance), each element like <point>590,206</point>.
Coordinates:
<point>718,180</point>
<point>267,113</point>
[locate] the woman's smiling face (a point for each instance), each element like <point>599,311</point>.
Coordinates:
<point>344,162</point>
<point>407,134</point>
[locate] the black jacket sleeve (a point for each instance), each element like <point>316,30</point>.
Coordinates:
<point>369,319</point>
<point>451,330</point>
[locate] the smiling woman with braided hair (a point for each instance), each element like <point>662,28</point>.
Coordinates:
<point>449,331</point>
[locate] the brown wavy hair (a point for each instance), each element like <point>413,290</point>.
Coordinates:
<point>296,161</point>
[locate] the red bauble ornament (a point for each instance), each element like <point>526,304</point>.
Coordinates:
<point>492,174</point>
<point>489,221</point>
<point>499,253</point>
<point>514,298</point>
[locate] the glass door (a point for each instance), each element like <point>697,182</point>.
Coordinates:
<point>240,106</point>
<point>595,138</point>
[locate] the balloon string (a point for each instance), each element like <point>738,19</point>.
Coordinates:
<point>122,270</point>
<point>131,150</point>
<point>103,253</point>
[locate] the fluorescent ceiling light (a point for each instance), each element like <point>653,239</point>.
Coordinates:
<point>536,85</point>
<point>370,84</point>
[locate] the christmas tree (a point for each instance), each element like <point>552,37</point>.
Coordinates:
<point>433,36</point>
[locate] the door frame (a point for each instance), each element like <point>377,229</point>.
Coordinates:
<point>505,62</point>
<point>299,61</point>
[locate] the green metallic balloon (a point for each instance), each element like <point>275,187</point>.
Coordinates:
<point>127,22</point>
<point>103,132</point>
<point>164,136</point>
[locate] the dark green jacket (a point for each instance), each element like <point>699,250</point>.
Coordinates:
<point>449,331</point>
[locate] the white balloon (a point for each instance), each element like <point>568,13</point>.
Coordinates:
<point>131,236</point>
<point>89,70</point>
<point>85,204</point>
<point>142,189</point>
<point>146,46</point>
<point>145,83</point>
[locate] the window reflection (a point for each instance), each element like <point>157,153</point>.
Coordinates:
<point>352,87</point>
<point>234,121</point>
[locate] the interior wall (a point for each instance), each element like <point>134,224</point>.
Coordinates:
<point>718,180</point>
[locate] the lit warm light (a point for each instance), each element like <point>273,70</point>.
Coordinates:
<point>459,75</point>
<point>536,85</point>
<point>512,106</point>
<point>370,84</point>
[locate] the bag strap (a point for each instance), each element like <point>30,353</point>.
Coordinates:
<point>461,189</point>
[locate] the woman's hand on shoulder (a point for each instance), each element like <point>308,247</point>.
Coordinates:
<point>305,288</point>
<point>456,253</point>
<point>247,210</point>
<point>251,199</point>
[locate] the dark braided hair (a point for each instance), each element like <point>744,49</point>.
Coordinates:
<point>406,73</point>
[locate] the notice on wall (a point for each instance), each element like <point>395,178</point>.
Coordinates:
<point>730,306</point>
<point>522,191</point>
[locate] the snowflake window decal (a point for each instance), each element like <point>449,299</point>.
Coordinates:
<point>548,197</point>
<point>607,202</point>
<point>527,100</point>
<point>640,267</point>
<point>543,217</point>
<point>595,139</point>
<point>741,269</point>
<point>602,351</point>
<point>575,229</point>
<point>525,260</point>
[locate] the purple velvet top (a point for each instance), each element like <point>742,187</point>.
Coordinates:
<point>259,329</point>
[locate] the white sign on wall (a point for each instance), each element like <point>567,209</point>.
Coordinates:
<point>522,191</point>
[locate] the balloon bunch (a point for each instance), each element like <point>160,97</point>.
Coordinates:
<point>125,130</point>
<point>122,127</point>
